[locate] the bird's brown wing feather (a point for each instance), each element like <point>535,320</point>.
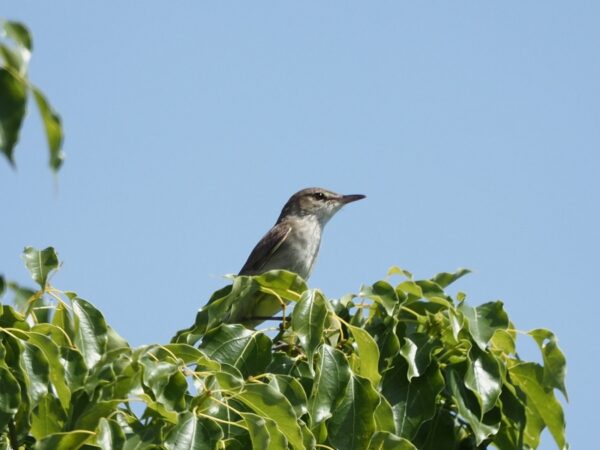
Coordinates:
<point>265,249</point>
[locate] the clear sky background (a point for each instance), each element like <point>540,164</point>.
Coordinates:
<point>472,127</point>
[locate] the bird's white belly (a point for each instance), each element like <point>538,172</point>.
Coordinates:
<point>299,251</point>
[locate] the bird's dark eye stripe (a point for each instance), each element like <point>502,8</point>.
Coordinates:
<point>319,196</point>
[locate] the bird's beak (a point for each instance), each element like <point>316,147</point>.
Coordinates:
<point>351,198</point>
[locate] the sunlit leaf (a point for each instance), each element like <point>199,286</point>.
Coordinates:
<point>308,321</point>
<point>266,401</point>
<point>90,331</point>
<point>445,279</point>
<point>483,378</point>
<point>40,263</point>
<point>332,376</point>
<point>247,350</point>
<point>555,363</point>
<point>72,440</point>
<point>353,422</point>
<point>530,379</point>
<point>484,320</point>
<point>53,126</point>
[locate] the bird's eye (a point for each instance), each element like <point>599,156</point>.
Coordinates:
<point>319,196</point>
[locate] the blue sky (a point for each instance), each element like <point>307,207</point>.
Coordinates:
<point>472,127</point>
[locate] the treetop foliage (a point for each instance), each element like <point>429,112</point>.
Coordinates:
<point>400,365</point>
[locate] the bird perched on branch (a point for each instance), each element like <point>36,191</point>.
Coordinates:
<point>293,242</point>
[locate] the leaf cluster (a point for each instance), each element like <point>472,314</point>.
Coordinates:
<point>16,45</point>
<point>404,366</point>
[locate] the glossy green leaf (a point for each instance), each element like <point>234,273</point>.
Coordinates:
<point>308,321</point>
<point>483,378</point>
<point>247,350</point>
<point>90,331</point>
<point>332,376</point>
<point>266,401</point>
<point>166,382</point>
<point>353,422</point>
<point>367,365</point>
<point>468,408</point>
<point>13,103</point>
<point>416,350</point>
<point>291,389</point>
<point>194,433</point>
<point>383,440</point>
<point>36,366</point>
<point>53,126</point>
<point>484,320</point>
<point>40,263</point>
<point>57,372</point>
<point>412,403</point>
<point>555,363</point>
<point>541,402</point>
<point>72,440</point>
<point>90,418</point>
<point>382,293</point>
<point>264,433</point>
<point>48,417</point>
<point>110,435</point>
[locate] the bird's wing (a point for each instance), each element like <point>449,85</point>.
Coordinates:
<point>266,247</point>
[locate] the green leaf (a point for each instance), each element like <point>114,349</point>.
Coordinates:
<point>19,33</point>
<point>367,365</point>
<point>10,396</point>
<point>382,440</point>
<point>483,378</point>
<point>445,279</point>
<point>482,426</point>
<point>166,382</point>
<point>247,350</point>
<point>57,372</point>
<point>266,401</point>
<point>2,285</point>
<point>194,433</point>
<point>412,403</point>
<point>72,440</point>
<point>484,320</point>
<point>110,435</point>
<point>90,417</point>
<point>555,363</point>
<point>48,417</point>
<point>18,55</point>
<point>382,293</point>
<point>308,321</point>
<point>13,103</point>
<point>395,270</point>
<point>540,402</point>
<point>264,433</point>
<point>90,331</point>
<point>291,389</point>
<point>332,376</point>
<point>35,365</point>
<point>40,263</point>
<point>416,350</point>
<point>353,422</point>
<point>440,433</point>
<point>53,126</point>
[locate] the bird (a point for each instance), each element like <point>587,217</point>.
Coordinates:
<point>292,243</point>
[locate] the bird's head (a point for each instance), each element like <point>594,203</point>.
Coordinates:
<point>317,202</point>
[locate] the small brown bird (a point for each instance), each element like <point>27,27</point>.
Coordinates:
<point>293,242</point>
